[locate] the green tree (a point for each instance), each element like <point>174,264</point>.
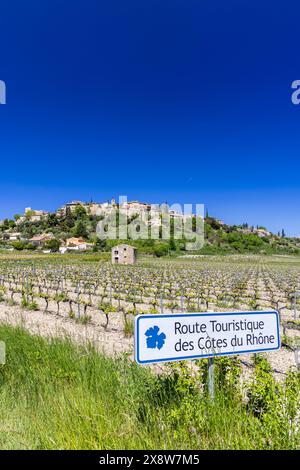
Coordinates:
<point>172,244</point>
<point>69,219</point>
<point>30,246</point>
<point>160,249</point>
<point>8,223</point>
<point>52,220</point>
<point>100,244</point>
<point>80,212</point>
<point>80,229</point>
<point>18,245</point>
<point>52,245</point>
<point>29,213</point>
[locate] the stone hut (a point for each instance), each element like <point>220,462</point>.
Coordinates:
<point>123,254</point>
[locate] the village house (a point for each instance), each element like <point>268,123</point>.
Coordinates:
<point>39,240</point>
<point>32,216</point>
<point>141,209</point>
<point>95,208</point>
<point>123,254</point>
<point>70,206</point>
<point>11,236</point>
<point>260,232</point>
<point>20,220</point>
<point>75,244</point>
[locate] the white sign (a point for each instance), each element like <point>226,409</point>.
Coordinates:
<point>174,337</point>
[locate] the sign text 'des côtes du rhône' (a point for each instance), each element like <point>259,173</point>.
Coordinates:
<point>174,337</point>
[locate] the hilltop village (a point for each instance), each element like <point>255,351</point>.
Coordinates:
<point>73,228</point>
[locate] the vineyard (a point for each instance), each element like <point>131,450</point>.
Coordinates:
<point>153,286</point>
<point>94,303</point>
<point>106,298</point>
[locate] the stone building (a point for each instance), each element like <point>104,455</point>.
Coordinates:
<point>123,254</point>
<point>40,240</point>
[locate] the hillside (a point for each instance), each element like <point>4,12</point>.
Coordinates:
<point>223,238</point>
<point>73,227</point>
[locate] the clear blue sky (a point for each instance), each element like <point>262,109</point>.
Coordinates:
<point>178,101</point>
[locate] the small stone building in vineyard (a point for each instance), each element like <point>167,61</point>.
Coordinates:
<point>123,254</point>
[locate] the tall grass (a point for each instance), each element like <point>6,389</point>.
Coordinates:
<point>55,395</point>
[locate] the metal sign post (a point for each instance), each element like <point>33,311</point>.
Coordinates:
<point>211,378</point>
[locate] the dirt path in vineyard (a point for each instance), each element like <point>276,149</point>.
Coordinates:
<point>49,325</point>
<point>112,342</point>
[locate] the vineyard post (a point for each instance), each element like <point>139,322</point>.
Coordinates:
<point>296,354</point>
<point>181,303</point>
<point>78,302</point>
<point>295,295</point>
<point>211,378</point>
<point>161,303</point>
<point>78,306</point>
<point>27,288</point>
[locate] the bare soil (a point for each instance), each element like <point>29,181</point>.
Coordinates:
<point>112,340</point>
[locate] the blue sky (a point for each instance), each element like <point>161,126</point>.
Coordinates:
<point>179,101</point>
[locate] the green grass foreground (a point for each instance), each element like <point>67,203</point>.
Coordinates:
<point>55,395</point>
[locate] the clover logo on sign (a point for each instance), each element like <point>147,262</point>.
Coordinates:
<point>154,339</point>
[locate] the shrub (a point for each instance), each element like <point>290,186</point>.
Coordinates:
<point>160,250</point>
<point>18,245</point>
<point>52,245</point>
